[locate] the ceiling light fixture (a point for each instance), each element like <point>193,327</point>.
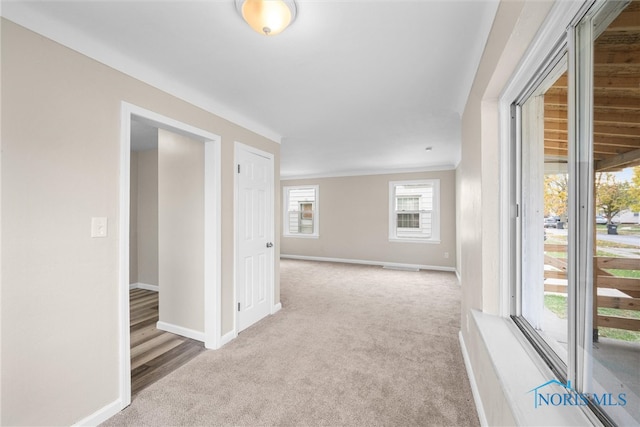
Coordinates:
<point>267,17</point>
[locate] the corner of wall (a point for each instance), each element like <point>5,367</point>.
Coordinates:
<point>1,19</point>
<point>101,415</point>
<point>477,397</point>
<point>489,395</point>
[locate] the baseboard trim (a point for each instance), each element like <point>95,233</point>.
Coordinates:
<point>227,338</point>
<point>145,286</point>
<point>459,277</point>
<point>179,330</point>
<point>394,265</point>
<point>276,308</point>
<point>101,415</point>
<point>472,381</point>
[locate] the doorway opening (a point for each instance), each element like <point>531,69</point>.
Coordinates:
<point>154,352</point>
<point>207,326</point>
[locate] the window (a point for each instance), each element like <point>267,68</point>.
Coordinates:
<point>576,292</point>
<point>413,211</point>
<point>544,209</point>
<point>300,212</point>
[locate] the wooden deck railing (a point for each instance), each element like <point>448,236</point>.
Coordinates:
<point>560,264</point>
<point>629,287</point>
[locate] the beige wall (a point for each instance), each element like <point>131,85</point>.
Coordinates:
<point>147,217</point>
<point>181,230</point>
<point>1,220</point>
<point>354,222</point>
<point>478,190</point>
<point>143,218</point>
<point>60,167</point>
<point>133,218</point>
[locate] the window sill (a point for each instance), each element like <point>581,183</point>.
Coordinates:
<point>520,369</point>
<point>413,240</point>
<point>302,236</point>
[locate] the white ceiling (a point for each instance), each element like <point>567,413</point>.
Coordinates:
<point>350,87</point>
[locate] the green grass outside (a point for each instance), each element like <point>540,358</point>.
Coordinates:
<point>634,274</point>
<point>607,244</point>
<point>564,254</point>
<point>560,255</point>
<point>562,240</point>
<point>556,239</point>
<point>604,253</point>
<point>557,304</point>
<point>623,229</point>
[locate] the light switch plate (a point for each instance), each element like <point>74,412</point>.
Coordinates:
<point>99,227</point>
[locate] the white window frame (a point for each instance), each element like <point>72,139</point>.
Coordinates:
<point>316,211</point>
<point>435,213</point>
<point>563,28</point>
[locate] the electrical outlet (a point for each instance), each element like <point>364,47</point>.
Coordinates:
<point>446,254</point>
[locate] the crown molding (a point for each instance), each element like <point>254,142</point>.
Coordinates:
<point>435,168</point>
<point>26,16</point>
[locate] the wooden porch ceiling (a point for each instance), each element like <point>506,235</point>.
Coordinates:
<point>616,125</point>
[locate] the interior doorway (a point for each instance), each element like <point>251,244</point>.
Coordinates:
<point>154,352</point>
<point>143,207</point>
<point>208,330</point>
<point>166,212</point>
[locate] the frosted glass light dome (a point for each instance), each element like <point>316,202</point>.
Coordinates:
<point>267,17</point>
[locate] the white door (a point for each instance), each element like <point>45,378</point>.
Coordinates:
<point>254,285</point>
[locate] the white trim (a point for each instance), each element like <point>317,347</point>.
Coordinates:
<point>393,267</point>
<point>459,277</point>
<point>414,240</point>
<point>316,211</point>
<point>368,262</point>
<point>123,249</point>
<point>145,286</point>
<point>550,33</point>
<point>212,243</point>
<point>213,213</point>
<point>236,182</point>
<point>228,337</point>
<point>276,308</point>
<point>101,415</point>
<point>552,30</point>
<point>164,122</point>
<point>477,398</point>
<point>26,16</point>
<point>1,2</point>
<point>435,211</point>
<point>180,330</point>
<point>300,236</point>
<point>517,371</point>
<point>367,172</point>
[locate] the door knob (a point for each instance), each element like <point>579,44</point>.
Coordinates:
<point>269,245</point>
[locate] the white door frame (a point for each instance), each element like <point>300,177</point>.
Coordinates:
<point>236,218</point>
<point>212,232</point>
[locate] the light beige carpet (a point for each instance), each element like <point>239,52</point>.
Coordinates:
<point>353,345</point>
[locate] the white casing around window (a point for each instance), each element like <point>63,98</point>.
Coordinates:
<point>401,195</point>
<point>301,211</point>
